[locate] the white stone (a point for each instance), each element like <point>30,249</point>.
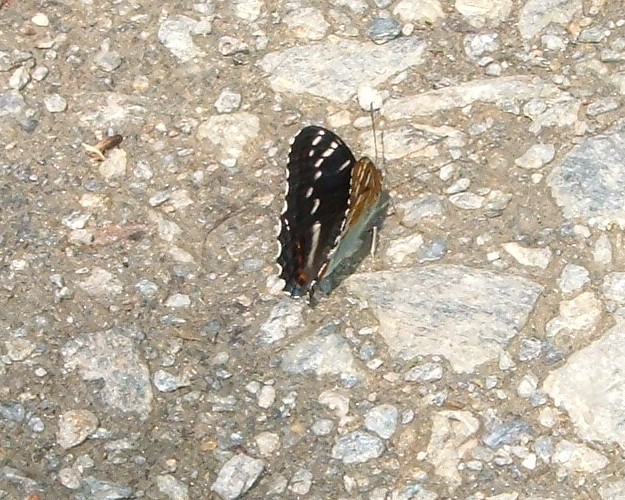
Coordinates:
<point>532,257</point>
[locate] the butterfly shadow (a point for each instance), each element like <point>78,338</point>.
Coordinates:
<point>350,264</point>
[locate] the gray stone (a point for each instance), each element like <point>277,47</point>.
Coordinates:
<point>284,316</point>
<point>301,482</point>
<point>176,33</point>
<point>343,68</point>
<point>171,487</point>
<point>423,11</point>
<point>508,93</point>
<point>112,357</point>
<point>237,476</point>
<point>229,134</point>
<point>424,207</point>
<point>573,278</point>
<point>538,14</point>
<point>324,353</point>
<point>592,383</point>
<point>307,22</point>
<point>382,420</point>
<point>55,103</point>
<point>589,182</point>
<point>537,156</point>
<point>75,426</point>
<point>382,30</point>
<point>92,487</point>
<point>166,382</point>
<point>464,314</point>
<point>357,447</point>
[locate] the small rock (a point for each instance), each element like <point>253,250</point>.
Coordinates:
<point>306,22</point>
<point>101,283</point>
<point>176,300</point>
<point>382,30</point>
<point>382,420</point>
<point>573,278</point>
<point>40,19</point>
<point>237,476</point>
<point>70,477</point>
<point>267,396</point>
<point>172,488</point>
<point>267,442</point>
<point>467,201</point>
<point>301,482</point>
<point>19,79</point>
<point>425,11</point>
<point>401,248</point>
<point>533,257</point>
<point>76,220</point>
<point>228,101</point>
<point>55,103</point>
<point>75,426</point>
<point>426,372</point>
<point>357,447</point>
<point>114,167</point>
<point>166,382</point>
<point>39,73</point>
<point>536,157</point>
<point>370,98</point>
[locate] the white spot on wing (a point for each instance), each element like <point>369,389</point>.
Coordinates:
<point>345,165</point>
<point>314,244</point>
<point>318,163</point>
<point>318,174</point>
<point>309,192</point>
<point>315,207</point>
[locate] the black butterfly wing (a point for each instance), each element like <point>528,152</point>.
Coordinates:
<point>319,173</point>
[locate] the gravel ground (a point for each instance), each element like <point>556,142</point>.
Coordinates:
<point>145,348</point>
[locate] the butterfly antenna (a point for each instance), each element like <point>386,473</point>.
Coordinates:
<point>375,141</point>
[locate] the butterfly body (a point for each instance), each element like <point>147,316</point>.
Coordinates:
<point>329,202</point>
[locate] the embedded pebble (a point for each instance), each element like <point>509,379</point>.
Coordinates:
<point>413,211</point>
<point>55,103</point>
<point>382,420</point>
<point>602,253</point>
<point>266,396</point>
<point>401,248</point>
<point>536,157</point>
<point>74,427</point>
<point>19,349</point>
<point>267,442</point>
<point>171,487</point>
<point>237,476</point>
<point>115,165</point>
<point>40,19</point>
<point>425,11</point>
<point>533,257</point>
<point>228,101</point>
<point>382,30</point>
<point>19,79</point>
<point>176,34</point>
<point>467,201</point>
<point>307,23</point>
<point>301,482</point>
<point>357,447</point>
<point>573,278</point>
<point>166,382</point>
<point>426,372</point>
<point>177,300</point>
<point>101,283</point>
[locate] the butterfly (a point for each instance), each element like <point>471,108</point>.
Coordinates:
<point>329,202</point>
